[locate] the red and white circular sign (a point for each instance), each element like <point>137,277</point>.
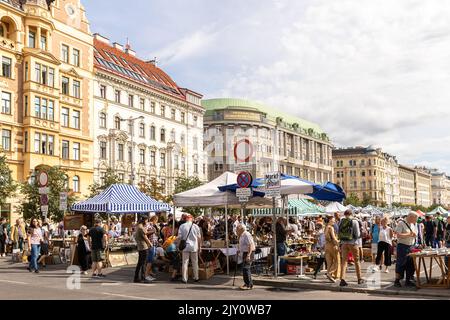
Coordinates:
<point>43,179</point>
<point>244,151</point>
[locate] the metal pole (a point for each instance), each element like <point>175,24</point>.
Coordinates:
<point>132,151</point>
<point>227,245</point>
<point>274,224</point>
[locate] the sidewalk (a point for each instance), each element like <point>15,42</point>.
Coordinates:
<point>376,283</point>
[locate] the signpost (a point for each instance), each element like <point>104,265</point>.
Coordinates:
<point>63,201</point>
<point>273,190</point>
<point>43,191</point>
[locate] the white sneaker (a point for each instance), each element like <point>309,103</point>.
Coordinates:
<point>149,278</point>
<point>386,271</point>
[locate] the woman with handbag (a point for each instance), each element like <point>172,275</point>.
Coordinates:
<point>34,245</point>
<point>83,250</point>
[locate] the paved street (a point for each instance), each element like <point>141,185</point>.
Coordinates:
<point>51,284</point>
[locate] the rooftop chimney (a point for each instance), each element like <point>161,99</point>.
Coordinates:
<point>153,62</point>
<point>128,49</point>
<point>99,37</point>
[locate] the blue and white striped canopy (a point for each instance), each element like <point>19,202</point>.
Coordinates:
<point>121,199</point>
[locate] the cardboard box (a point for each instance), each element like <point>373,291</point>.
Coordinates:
<point>217,243</point>
<point>203,273</point>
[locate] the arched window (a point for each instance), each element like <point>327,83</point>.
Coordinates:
<point>117,123</point>
<point>76,184</point>
<point>102,120</point>
<point>152,132</point>
<point>163,135</point>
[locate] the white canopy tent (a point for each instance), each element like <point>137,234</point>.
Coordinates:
<point>335,207</point>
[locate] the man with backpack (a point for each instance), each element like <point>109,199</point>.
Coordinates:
<point>349,233</point>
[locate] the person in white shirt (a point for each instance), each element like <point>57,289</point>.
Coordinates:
<point>384,244</point>
<point>247,249</point>
<point>406,231</point>
<point>235,224</point>
<point>192,234</point>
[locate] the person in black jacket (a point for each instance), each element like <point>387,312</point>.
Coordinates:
<point>83,250</point>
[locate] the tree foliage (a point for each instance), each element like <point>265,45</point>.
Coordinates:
<point>154,189</point>
<point>110,178</point>
<point>352,199</point>
<point>57,183</point>
<point>183,184</point>
<point>7,185</point>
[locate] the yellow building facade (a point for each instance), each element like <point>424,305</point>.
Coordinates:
<point>46,85</point>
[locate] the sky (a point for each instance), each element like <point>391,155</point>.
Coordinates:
<point>368,72</point>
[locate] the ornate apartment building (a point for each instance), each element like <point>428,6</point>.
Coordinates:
<point>423,187</point>
<point>304,150</point>
<point>407,178</point>
<point>440,187</point>
<point>145,126</point>
<point>46,53</point>
<point>367,171</point>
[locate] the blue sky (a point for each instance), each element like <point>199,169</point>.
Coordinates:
<point>369,72</point>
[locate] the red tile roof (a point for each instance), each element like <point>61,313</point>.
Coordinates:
<point>125,65</point>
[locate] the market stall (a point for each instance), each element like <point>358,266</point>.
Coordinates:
<point>122,200</point>
<point>425,262</point>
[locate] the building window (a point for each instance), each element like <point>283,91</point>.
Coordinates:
<point>76,89</point>
<point>218,167</point>
<point>32,39</point>
<point>142,156</point>
<point>130,100</point>
<point>195,143</point>
<point>65,117</point>
<point>6,67</point>
<point>76,119</point>
<point>37,72</point>
<point>102,120</point>
<point>173,114</point>
<point>153,133</point>
<point>152,107</point>
<point>76,57</point>
<point>117,96</point>
<point>117,122</point>
<point>183,163</point>
<point>102,150</point>
<point>65,149</point>
<point>172,136</point>
<point>182,139</point>
<point>183,117</point>
<point>142,130</point>
<point>163,160</point>
<point>195,121</point>
<point>163,111</point>
<point>6,102</point>
<point>51,111</point>
<point>6,140</point>
<point>43,42</point>
<point>163,135</point>
<point>103,91</point>
<point>26,71</point>
<point>153,158</point>
<point>120,153</point>
<point>65,86</point>
<point>51,77</point>
<point>142,104</point>
<point>176,162</point>
<point>65,53</point>
<point>76,184</point>
<point>76,151</point>
<point>130,154</point>
<point>195,166</point>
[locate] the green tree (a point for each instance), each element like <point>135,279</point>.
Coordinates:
<point>367,200</point>
<point>7,185</point>
<point>57,183</point>
<point>154,189</point>
<point>110,178</point>
<point>183,184</point>
<point>353,200</point>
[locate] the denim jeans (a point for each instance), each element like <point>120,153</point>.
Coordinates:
<point>281,251</point>
<point>35,250</point>
<point>246,270</point>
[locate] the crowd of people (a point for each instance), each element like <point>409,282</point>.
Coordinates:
<point>338,240</point>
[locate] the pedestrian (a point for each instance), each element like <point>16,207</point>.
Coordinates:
<point>332,251</point>
<point>374,236</point>
<point>34,244</point>
<point>3,237</point>
<point>44,244</point>
<point>320,247</point>
<point>190,235</point>
<point>143,245</point>
<point>429,231</point>
<point>247,249</point>
<point>153,236</point>
<point>18,234</point>
<point>349,233</point>
<point>447,237</point>
<point>281,234</point>
<point>98,240</point>
<point>386,235</point>
<point>406,232</point>
<point>439,231</point>
<point>83,250</point>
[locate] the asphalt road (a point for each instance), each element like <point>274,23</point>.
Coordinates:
<point>54,283</point>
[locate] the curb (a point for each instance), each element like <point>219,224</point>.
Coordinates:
<point>309,286</point>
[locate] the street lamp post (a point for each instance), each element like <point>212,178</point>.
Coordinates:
<point>131,122</point>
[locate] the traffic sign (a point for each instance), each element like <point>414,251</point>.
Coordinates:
<point>44,210</point>
<point>273,184</point>
<point>44,190</point>
<point>63,201</point>
<point>43,179</point>
<point>243,151</point>
<point>244,192</point>
<point>44,199</point>
<point>244,179</point>
<point>243,167</point>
